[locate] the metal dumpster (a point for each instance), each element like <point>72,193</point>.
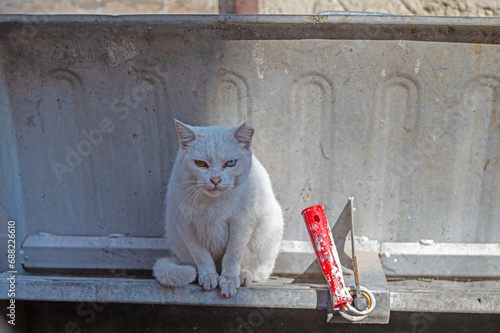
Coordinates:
<point>402,113</point>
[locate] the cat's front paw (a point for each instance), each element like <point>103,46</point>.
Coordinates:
<point>229,285</point>
<point>209,281</point>
<point>246,277</point>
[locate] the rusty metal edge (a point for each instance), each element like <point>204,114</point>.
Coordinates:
<point>258,19</point>
<point>285,27</point>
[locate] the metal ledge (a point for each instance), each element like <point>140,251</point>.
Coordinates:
<point>79,253</point>
<point>373,27</point>
<point>277,293</point>
<point>446,260</point>
<point>450,300</point>
<point>419,259</point>
<point>48,253</point>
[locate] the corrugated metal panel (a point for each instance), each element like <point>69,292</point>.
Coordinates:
<point>402,113</point>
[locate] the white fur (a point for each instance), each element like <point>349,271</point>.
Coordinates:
<point>232,236</point>
<point>183,273</point>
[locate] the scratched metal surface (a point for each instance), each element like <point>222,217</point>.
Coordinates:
<point>402,113</point>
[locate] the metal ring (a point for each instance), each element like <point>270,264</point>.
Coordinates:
<point>349,312</point>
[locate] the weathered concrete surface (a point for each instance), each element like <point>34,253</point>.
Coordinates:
<point>398,7</point>
<point>482,8</point>
<point>109,7</point>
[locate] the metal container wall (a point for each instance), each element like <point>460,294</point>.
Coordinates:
<point>402,113</point>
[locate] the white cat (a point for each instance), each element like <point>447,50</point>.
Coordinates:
<point>221,213</point>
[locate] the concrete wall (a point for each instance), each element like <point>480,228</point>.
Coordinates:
<point>109,6</point>
<point>401,7</point>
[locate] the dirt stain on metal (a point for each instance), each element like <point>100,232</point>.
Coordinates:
<point>30,121</point>
<point>486,164</point>
<point>479,51</point>
<point>494,125</point>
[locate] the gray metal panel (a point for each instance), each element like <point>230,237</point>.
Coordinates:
<point>399,112</point>
<point>3,203</point>
<point>122,290</point>
<point>11,191</point>
<point>279,293</point>
<point>111,253</point>
<point>49,253</point>
<point>3,233</point>
<point>445,260</point>
<point>450,300</point>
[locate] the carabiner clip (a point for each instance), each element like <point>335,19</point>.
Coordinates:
<point>350,312</point>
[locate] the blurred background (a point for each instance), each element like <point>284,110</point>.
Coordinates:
<point>483,8</point>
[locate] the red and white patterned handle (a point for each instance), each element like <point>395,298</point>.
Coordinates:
<point>326,252</point>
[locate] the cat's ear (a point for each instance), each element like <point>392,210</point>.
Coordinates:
<point>186,134</point>
<point>244,135</point>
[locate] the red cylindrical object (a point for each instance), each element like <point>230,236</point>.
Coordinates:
<point>326,252</point>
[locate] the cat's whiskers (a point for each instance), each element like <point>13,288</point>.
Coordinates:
<point>185,182</point>
<point>189,189</point>
<point>186,189</point>
<point>186,196</point>
<point>193,198</point>
<point>162,189</point>
<point>190,196</point>
<point>233,197</point>
<point>197,196</point>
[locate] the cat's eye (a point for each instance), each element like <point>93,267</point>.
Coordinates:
<point>231,163</point>
<point>201,164</point>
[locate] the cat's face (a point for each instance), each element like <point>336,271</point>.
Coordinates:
<point>215,159</point>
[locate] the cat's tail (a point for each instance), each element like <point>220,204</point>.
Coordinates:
<point>172,274</point>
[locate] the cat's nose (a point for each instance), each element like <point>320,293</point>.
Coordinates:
<point>215,180</point>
